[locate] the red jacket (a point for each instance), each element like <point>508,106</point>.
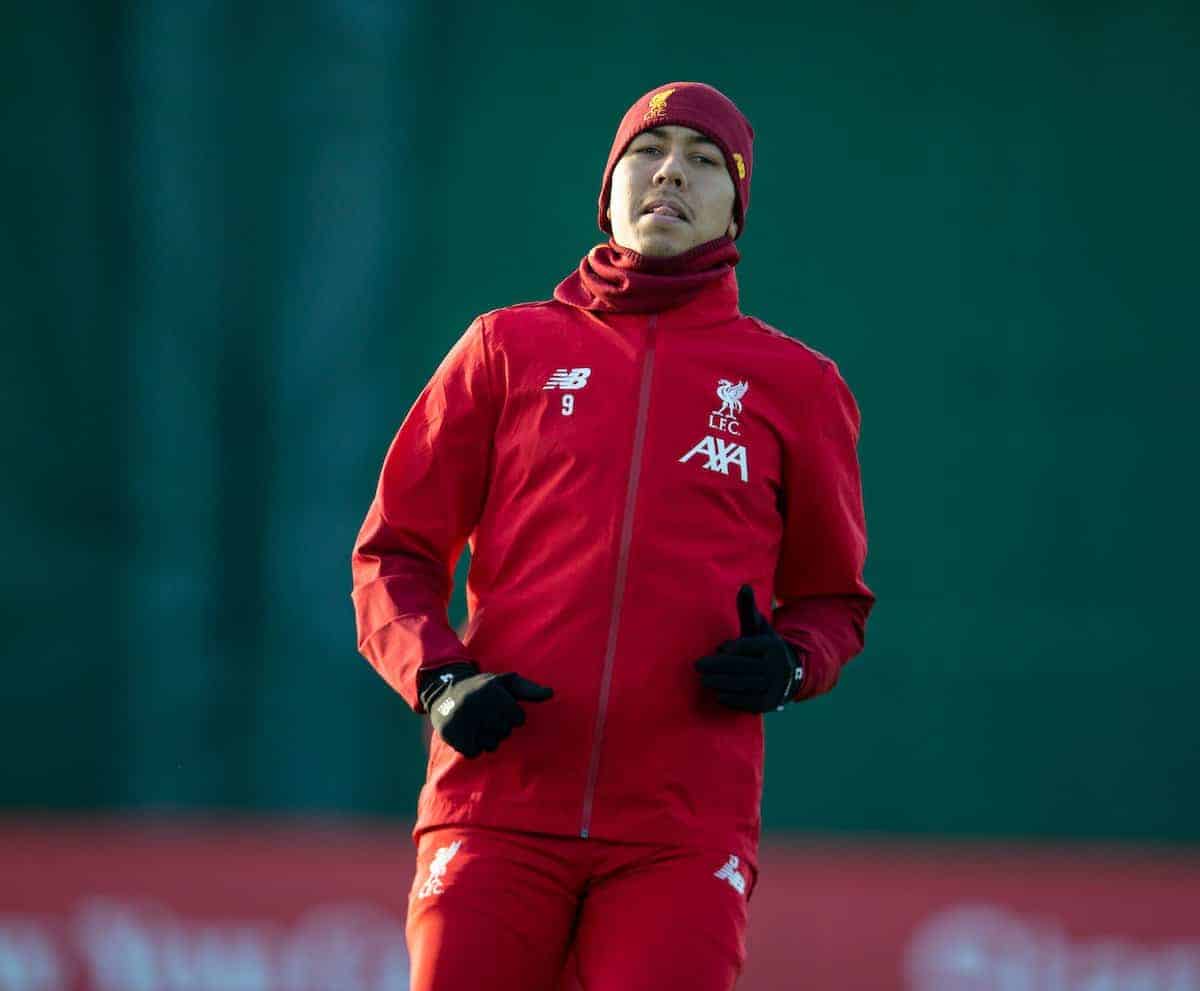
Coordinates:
<point>618,477</point>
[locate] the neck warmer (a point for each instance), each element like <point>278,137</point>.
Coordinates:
<point>614,279</point>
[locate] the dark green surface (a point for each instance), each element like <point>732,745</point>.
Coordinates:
<point>234,247</point>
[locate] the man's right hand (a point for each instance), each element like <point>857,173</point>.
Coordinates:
<point>473,712</point>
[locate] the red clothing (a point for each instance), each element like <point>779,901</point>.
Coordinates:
<point>618,476</point>
<point>512,911</point>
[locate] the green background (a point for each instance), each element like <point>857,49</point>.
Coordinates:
<point>238,238</point>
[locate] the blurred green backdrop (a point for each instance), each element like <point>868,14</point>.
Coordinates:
<point>238,238</point>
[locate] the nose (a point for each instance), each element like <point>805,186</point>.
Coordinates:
<point>670,171</point>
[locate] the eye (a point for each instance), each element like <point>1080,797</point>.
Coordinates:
<point>705,159</point>
<point>648,148</point>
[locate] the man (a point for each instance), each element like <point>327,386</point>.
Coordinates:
<point>641,472</point>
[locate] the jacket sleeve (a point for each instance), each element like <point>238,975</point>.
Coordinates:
<point>821,600</point>
<point>430,495</point>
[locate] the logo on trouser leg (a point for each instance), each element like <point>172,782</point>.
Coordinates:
<point>437,870</point>
<point>730,873</point>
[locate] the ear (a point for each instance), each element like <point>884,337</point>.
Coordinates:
<point>733,230</point>
<point>608,213</point>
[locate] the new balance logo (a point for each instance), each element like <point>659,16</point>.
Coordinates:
<point>730,873</point>
<point>719,455</point>
<point>568,378</point>
<point>434,884</point>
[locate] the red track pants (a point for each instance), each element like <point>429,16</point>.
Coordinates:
<point>511,911</point>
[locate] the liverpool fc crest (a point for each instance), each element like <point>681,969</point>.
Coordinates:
<point>721,454</point>
<point>730,394</point>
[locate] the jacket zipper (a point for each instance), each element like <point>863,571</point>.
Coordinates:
<point>614,624</point>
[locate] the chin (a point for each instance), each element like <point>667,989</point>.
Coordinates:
<point>661,246</point>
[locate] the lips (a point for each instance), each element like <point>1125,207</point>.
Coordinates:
<point>666,208</point>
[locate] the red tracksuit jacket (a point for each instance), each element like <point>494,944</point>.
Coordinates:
<point>618,477</point>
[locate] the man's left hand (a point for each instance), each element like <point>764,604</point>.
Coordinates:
<point>757,672</point>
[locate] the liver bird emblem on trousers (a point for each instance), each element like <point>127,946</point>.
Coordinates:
<point>730,394</point>
<point>434,884</point>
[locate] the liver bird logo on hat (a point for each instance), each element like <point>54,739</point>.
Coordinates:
<point>658,105</point>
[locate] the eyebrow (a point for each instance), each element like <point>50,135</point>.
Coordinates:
<point>695,139</point>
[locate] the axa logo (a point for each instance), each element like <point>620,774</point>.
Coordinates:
<point>568,378</point>
<point>719,454</point>
<point>658,105</point>
<point>435,882</point>
<point>730,873</point>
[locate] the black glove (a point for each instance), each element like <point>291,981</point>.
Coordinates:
<point>757,672</point>
<point>473,712</point>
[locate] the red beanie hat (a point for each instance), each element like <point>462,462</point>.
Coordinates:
<point>703,109</point>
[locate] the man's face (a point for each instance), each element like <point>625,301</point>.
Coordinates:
<point>670,192</point>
